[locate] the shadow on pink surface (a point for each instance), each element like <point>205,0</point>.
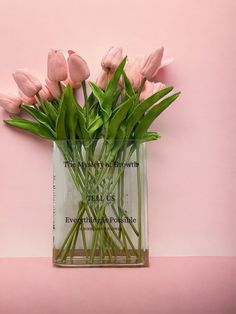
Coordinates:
<point>171,285</point>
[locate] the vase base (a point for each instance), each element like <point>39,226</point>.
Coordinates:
<point>79,259</point>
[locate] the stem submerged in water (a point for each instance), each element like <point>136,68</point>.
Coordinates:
<point>139,187</point>
<point>107,242</point>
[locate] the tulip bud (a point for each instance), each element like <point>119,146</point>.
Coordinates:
<point>151,65</point>
<point>165,62</point>
<point>57,66</point>
<point>27,82</point>
<point>150,88</point>
<point>25,99</point>
<point>45,93</point>
<point>10,103</point>
<point>78,68</point>
<point>75,85</point>
<point>102,79</point>
<point>53,88</point>
<point>112,59</point>
<point>132,71</point>
<point>158,86</point>
<point>147,91</point>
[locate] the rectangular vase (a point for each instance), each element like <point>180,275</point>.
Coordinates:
<point>100,203</point>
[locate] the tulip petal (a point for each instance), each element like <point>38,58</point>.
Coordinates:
<point>57,66</point>
<point>78,68</point>
<point>11,103</point>
<point>27,82</point>
<point>166,61</point>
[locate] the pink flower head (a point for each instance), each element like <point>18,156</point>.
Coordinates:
<point>102,79</point>
<point>133,72</point>
<point>53,88</point>
<point>147,91</point>
<point>158,86</point>
<point>150,88</point>
<point>151,64</point>
<point>25,99</point>
<point>45,93</point>
<point>112,59</point>
<point>166,61</point>
<point>27,82</point>
<point>57,66</point>
<point>10,103</point>
<point>78,68</point>
<point>75,85</point>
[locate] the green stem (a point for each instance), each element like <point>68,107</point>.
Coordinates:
<point>125,232</point>
<point>60,88</point>
<point>101,213</point>
<point>71,232</point>
<point>85,101</point>
<point>74,242</point>
<point>107,186</point>
<point>84,240</point>
<point>139,203</point>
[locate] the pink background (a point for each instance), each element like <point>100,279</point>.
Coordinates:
<point>172,285</point>
<point>192,174</point>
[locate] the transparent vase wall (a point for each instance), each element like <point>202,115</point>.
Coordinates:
<point>100,204</point>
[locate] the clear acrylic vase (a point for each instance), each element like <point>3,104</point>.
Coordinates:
<point>100,204</point>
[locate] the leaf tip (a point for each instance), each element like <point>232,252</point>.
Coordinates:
<point>7,121</point>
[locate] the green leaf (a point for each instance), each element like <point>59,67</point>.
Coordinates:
<point>71,112</point>
<point>69,117</point>
<point>30,126</point>
<point>81,126</point>
<point>91,99</point>
<point>128,87</point>
<point>39,116</point>
<point>118,143</point>
<point>61,118</point>
<point>92,114</point>
<point>36,114</point>
<point>152,114</point>
<point>115,100</point>
<point>95,125</point>
<point>98,92</point>
<point>141,108</point>
<point>112,85</point>
<point>107,103</point>
<point>118,117</point>
<point>150,136</point>
<point>52,111</point>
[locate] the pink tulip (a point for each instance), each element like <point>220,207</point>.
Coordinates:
<point>150,88</point>
<point>75,85</point>
<point>78,68</point>
<point>27,82</point>
<point>53,87</point>
<point>25,99</point>
<point>158,86</point>
<point>71,52</point>
<point>132,70</point>
<point>147,91</point>
<point>151,65</point>
<point>57,66</point>
<point>112,59</point>
<point>102,79</point>
<point>165,62</point>
<point>10,103</point>
<point>45,93</point>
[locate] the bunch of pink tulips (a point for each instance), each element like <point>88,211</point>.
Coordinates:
<point>109,126</point>
<point>70,68</point>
